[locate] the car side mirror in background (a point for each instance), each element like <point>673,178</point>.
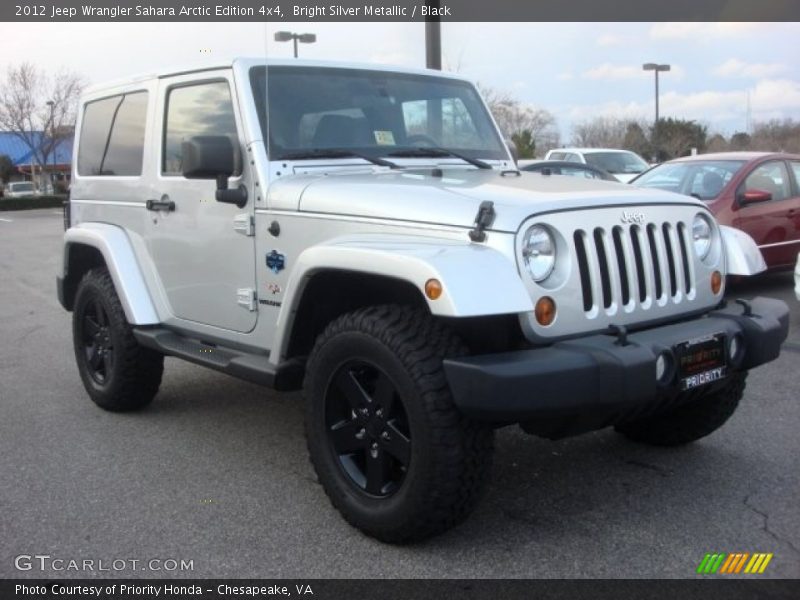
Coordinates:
<point>512,148</point>
<point>214,157</point>
<point>755,196</point>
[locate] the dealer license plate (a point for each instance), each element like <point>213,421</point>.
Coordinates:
<point>701,361</point>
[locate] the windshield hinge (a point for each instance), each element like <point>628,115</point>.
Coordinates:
<point>483,219</point>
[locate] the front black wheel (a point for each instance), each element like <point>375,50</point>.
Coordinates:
<point>116,371</point>
<point>391,450</point>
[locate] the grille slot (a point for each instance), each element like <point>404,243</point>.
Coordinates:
<point>666,228</point>
<point>583,269</point>
<point>636,264</point>
<point>602,263</point>
<point>624,274</point>
<point>687,283</point>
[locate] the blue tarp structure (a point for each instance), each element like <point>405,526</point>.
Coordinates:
<point>20,154</point>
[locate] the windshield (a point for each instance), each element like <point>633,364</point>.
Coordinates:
<point>616,162</point>
<point>21,187</point>
<point>374,113</point>
<point>703,179</point>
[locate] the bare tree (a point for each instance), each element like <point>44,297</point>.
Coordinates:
<point>39,109</point>
<point>517,119</point>
<point>776,135</point>
<point>608,132</point>
<point>717,143</point>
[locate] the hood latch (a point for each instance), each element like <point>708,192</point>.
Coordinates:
<point>483,219</point>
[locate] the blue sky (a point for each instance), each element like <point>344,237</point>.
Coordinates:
<point>575,70</point>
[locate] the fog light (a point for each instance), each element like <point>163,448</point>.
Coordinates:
<point>664,367</point>
<point>661,366</point>
<point>545,311</point>
<point>716,282</point>
<point>736,349</point>
<point>433,289</point>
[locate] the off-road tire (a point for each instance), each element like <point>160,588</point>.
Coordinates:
<point>690,421</point>
<point>450,456</point>
<point>134,375</point>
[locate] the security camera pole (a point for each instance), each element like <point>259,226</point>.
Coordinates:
<point>303,38</point>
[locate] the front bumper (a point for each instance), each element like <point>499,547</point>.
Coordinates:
<point>600,378</point>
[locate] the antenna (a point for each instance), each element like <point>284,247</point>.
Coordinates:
<point>748,124</point>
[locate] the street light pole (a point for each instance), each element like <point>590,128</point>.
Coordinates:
<point>52,106</point>
<point>303,38</point>
<point>657,68</point>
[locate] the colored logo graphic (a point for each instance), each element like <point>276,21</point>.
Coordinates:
<point>740,562</point>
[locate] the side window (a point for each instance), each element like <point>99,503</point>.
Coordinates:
<point>770,177</point>
<point>796,169</point>
<point>97,118</point>
<point>557,156</point>
<point>112,136</point>
<point>126,142</point>
<point>199,109</point>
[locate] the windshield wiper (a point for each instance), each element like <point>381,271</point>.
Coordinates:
<point>436,151</point>
<point>336,153</point>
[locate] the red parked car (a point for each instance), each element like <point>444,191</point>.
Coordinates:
<point>757,192</point>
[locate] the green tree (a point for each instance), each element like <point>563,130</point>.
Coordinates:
<point>740,141</point>
<point>6,168</point>
<point>676,137</point>
<point>636,140</point>
<point>526,145</point>
<point>717,143</point>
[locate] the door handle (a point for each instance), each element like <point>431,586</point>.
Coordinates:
<point>164,204</point>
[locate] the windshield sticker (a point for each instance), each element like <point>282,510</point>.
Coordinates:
<point>384,138</point>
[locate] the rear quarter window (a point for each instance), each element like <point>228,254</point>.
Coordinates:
<point>112,136</point>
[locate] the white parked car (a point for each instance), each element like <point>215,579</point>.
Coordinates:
<point>622,164</point>
<point>362,233</point>
<point>797,278</point>
<point>19,189</point>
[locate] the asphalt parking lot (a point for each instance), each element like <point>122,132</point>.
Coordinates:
<point>216,472</point>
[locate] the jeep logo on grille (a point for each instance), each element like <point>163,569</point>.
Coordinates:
<point>632,217</point>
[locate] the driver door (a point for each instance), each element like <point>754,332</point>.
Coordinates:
<point>203,250</point>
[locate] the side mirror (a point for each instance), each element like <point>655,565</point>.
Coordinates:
<point>512,148</point>
<point>214,157</point>
<point>755,196</point>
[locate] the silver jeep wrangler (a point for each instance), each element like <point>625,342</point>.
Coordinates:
<point>362,233</point>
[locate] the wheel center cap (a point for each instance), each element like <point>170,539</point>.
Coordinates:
<point>375,427</point>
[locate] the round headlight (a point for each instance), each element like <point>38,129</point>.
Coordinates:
<point>539,252</point>
<point>701,236</point>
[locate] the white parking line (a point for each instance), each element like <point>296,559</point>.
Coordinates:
<point>7,220</point>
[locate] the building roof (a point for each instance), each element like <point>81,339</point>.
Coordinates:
<point>19,153</point>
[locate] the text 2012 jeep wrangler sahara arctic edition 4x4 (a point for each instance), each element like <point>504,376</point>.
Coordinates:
<point>363,233</point>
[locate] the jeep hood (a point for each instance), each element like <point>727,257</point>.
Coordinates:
<point>453,198</point>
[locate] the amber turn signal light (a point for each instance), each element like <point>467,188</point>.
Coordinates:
<point>716,282</point>
<point>433,289</point>
<point>545,311</point>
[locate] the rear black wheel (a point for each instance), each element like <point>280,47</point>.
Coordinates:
<point>391,450</point>
<point>116,371</point>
